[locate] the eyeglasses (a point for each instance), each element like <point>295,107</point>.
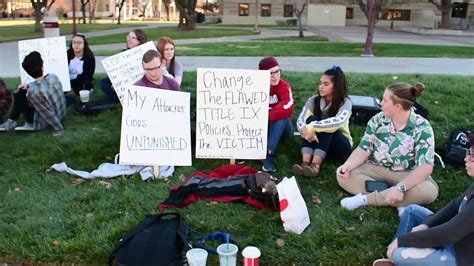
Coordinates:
<point>131,37</point>
<point>152,68</point>
<point>77,42</point>
<point>470,154</point>
<point>276,72</point>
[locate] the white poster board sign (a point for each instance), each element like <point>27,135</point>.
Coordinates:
<point>126,67</point>
<point>232,113</point>
<point>156,127</point>
<point>54,54</point>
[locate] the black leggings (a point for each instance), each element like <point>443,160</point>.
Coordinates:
<point>21,106</point>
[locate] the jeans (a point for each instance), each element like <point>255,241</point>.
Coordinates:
<point>411,217</point>
<point>22,106</point>
<point>276,131</point>
<point>106,87</point>
<point>335,145</point>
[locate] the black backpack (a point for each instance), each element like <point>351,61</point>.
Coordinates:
<point>160,239</point>
<point>455,150</point>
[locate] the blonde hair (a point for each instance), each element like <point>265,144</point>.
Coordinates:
<point>405,94</point>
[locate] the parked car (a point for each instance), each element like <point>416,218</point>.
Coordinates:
<point>23,13</point>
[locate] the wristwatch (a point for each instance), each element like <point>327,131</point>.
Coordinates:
<point>402,188</point>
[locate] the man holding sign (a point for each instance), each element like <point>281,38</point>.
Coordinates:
<point>280,109</point>
<point>42,101</point>
<point>154,78</point>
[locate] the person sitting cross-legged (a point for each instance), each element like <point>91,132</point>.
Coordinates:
<point>41,102</point>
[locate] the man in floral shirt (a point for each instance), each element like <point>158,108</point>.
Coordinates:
<point>397,148</point>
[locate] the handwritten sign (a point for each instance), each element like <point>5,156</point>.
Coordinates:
<point>126,67</point>
<point>54,55</point>
<point>232,113</point>
<point>156,127</point>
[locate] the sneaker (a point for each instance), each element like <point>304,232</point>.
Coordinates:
<point>382,262</point>
<point>8,125</point>
<point>26,127</point>
<point>354,202</point>
<point>269,165</point>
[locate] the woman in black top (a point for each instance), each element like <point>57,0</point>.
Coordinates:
<point>443,238</point>
<point>81,62</point>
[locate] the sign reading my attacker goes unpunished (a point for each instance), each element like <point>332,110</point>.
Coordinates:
<point>232,113</point>
<point>156,127</point>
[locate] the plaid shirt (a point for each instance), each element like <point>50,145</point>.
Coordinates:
<point>47,97</point>
<point>5,101</point>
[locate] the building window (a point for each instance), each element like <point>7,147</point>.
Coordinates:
<point>288,11</point>
<point>459,10</point>
<point>349,13</point>
<point>266,10</point>
<point>395,14</point>
<point>243,9</point>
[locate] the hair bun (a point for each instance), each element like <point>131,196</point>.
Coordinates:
<point>419,88</point>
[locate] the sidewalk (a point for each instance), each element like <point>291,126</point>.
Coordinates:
<point>449,66</point>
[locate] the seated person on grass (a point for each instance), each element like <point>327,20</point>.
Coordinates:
<point>324,124</point>
<point>41,102</point>
<point>281,105</point>
<point>443,238</point>
<point>397,148</point>
<point>5,99</point>
<point>81,64</point>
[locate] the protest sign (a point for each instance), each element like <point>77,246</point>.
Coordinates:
<point>232,113</point>
<point>156,127</point>
<point>126,67</point>
<point>54,55</point>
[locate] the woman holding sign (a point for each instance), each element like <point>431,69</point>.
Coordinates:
<point>134,38</point>
<point>167,50</point>
<point>324,124</point>
<point>81,64</point>
<point>280,109</point>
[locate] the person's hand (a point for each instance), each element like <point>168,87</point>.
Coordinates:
<point>394,195</point>
<point>342,171</point>
<point>310,137</point>
<point>391,248</point>
<point>23,86</point>
<point>420,227</point>
<point>303,132</point>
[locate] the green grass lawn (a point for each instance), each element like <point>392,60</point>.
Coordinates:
<point>47,217</point>
<point>294,47</point>
<point>174,33</point>
<point>24,30</point>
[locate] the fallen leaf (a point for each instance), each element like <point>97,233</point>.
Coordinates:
<point>339,194</point>
<point>106,184</point>
<point>182,177</point>
<point>17,189</point>
<point>350,228</point>
<point>78,181</point>
<point>108,158</point>
<point>316,199</point>
<point>280,242</point>
<point>56,242</point>
<point>89,215</point>
<point>214,202</point>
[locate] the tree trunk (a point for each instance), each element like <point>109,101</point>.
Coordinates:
<point>83,10</point>
<point>256,16</point>
<point>300,26</point>
<point>445,19</point>
<point>38,17</point>
<point>368,50</point>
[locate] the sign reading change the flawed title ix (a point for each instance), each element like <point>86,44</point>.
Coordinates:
<point>126,67</point>
<point>156,129</point>
<point>232,113</point>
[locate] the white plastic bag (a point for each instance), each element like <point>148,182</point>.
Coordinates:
<point>293,211</point>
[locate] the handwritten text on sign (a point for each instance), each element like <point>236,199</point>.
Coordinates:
<point>232,113</point>
<point>54,55</point>
<point>126,67</point>
<point>156,127</point>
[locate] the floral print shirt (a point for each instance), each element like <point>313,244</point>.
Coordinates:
<point>401,150</point>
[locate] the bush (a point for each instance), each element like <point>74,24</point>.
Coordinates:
<point>292,22</point>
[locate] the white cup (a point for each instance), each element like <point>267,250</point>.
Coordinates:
<point>251,256</point>
<point>227,254</point>
<point>196,257</point>
<point>84,94</point>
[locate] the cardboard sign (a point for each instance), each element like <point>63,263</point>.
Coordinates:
<point>232,113</point>
<point>54,54</point>
<point>126,67</point>
<point>156,127</point>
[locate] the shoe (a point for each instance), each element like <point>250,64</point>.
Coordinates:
<point>269,164</point>
<point>311,170</point>
<point>26,127</point>
<point>298,168</point>
<point>354,202</point>
<point>58,133</point>
<point>382,262</point>
<point>239,161</point>
<point>8,125</point>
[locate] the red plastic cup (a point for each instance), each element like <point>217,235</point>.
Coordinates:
<point>251,256</point>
